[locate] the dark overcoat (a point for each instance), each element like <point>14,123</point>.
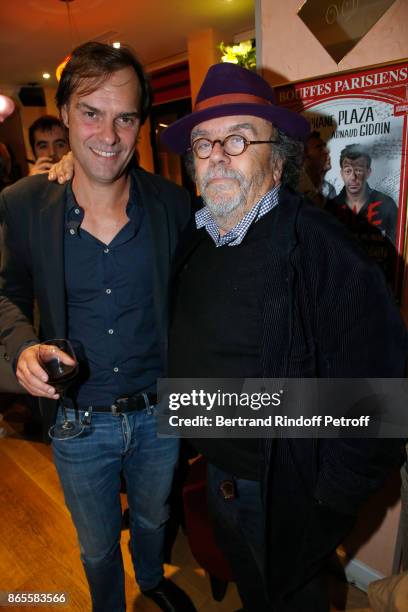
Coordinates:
<point>327,312</point>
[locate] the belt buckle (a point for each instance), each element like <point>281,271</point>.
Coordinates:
<point>116,406</point>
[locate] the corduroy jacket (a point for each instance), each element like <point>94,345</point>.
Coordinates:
<point>327,312</point>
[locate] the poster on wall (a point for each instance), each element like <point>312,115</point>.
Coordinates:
<point>362,117</point>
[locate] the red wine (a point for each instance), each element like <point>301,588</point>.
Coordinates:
<point>60,375</point>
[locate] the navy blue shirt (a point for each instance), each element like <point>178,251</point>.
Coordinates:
<point>110,309</point>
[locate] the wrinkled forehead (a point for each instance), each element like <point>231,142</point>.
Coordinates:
<point>232,123</point>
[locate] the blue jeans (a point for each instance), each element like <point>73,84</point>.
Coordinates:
<point>239,531</point>
<point>89,468</point>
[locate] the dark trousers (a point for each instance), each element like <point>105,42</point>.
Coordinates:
<point>239,530</point>
<point>312,597</point>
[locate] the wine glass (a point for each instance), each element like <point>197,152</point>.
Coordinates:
<point>60,376</point>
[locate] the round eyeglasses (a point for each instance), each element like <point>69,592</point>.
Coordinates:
<point>234,144</point>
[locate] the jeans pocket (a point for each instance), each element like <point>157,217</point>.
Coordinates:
<point>83,416</point>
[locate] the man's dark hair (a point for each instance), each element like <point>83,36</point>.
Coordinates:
<point>98,61</point>
<point>354,151</point>
<point>314,134</point>
<point>45,123</point>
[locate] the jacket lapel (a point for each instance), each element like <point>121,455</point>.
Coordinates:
<point>156,210</point>
<point>52,259</point>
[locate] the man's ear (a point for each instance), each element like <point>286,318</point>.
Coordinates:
<point>64,115</point>
<point>368,172</point>
<point>277,171</point>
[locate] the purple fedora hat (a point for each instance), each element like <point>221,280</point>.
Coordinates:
<point>227,90</point>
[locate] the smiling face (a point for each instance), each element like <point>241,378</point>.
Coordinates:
<point>104,125</point>
<point>232,185</point>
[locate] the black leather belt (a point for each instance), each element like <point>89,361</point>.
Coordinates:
<point>139,401</point>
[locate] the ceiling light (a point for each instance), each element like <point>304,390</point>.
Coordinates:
<point>46,75</point>
<point>116,45</point>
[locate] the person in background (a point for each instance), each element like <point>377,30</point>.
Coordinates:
<point>95,254</point>
<point>359,198</point>
<point>267,285</point>
<point>316,163</point>
<point>49,143</point>
<point>370,215</point>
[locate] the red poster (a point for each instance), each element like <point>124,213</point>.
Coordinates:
<point>369,108</point>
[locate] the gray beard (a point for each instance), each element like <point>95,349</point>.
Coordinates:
<point>221,206</point>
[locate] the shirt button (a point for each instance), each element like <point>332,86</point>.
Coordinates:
<point>108,291</point>
<point>106,250</point>
<point>110,331</point>
<point>77,211</point>
<point>116,370</point>
<point>72,231</point>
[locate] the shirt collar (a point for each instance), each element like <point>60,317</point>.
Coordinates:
<point>234,237</point>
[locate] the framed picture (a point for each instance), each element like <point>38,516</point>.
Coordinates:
<point>364,110</point>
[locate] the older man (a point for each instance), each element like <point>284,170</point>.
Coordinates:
<point>96,254</point>
<point>269,286</point>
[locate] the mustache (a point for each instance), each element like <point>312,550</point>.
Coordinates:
<point>221,172</point>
